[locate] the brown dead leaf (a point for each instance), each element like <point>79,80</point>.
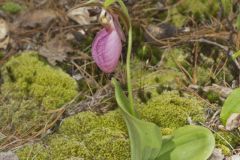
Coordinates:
<point>82,15</point>
<point>55,50</point>
<point>4,37</point>
<point>233,121</point>
<point>38,19</point>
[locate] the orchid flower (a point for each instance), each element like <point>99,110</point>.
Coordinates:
<point>107,45</point>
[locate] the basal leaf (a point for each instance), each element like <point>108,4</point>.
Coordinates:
<point>230,106</point>
<point>188,143</point>
<point>145,137</point>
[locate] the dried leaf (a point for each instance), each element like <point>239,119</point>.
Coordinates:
<point>55,50</point>
<point>233,121</point>
<point>38,19</point>
<point>82,15</point>
<point>4,38</point>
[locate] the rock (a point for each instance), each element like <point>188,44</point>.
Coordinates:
<point>234,157</point>
<point>217,155</point>
<point>8,156</point>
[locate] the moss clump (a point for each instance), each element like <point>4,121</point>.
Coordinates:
<point>169,110</point>
<point>175,56</point>
<point>200,10</point>
<point>113,144</point>
<point>224,139</point>
<point>27,76</point>
<point>22,116</point>
<point>87,121</point>
<point>11,7</point>
<point>225,150</point>
<point>65,147</point>
<point>153,84</point>
<point>36,150</point>
<point>86,136</point>
<point>91,136</point>
<point>31,88</point>
<point>212,96</point>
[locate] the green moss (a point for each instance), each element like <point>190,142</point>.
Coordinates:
<point>225,150</point>
<point>26,76</point>
<point>79,124</point>
<point>11,7</point>
<point>38,151</point>
<point>64,147</point>
<point>212,96</point>
<point>176,18</point>
<point>169,110</point>
<point>174,56</point>
<point>152,84</point>
<point>200,10</point>
<point>31,87</point>
<point>22,116</point>
<point>226,138</point>
<point>203,75</point>
<point>86,136</point>
<point>167,131</point>
<point>83,123</point>
<point>108,143</point>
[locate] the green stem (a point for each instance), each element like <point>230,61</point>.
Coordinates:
<point>129,82</point>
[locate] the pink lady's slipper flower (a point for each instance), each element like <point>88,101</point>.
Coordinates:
<point>107,45</point>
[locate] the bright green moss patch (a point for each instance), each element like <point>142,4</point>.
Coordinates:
<point>11,7</point>
<point>91,136</point>
<point>26,76</point>
<point>108,143</point>
<point>85,122</point>
<point>30,90</point>
<point>169,110</point>
<point>86,136</point>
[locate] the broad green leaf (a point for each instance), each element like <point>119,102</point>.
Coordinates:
<point>108,3</point>
<point>188,143</point>
<point>145,137</point>
<point>230,106</point>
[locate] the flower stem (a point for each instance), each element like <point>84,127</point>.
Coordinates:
<point>129,82</point>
